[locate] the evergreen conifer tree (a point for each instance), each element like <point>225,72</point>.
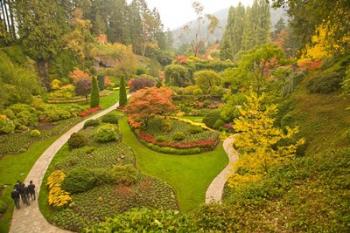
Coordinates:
<point>123,99</point>
<point>95,95</point>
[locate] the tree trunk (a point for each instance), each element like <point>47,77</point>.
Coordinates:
<point>43,70</point>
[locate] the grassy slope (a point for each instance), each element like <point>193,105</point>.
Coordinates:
<point>14,167</point>
<point>188,175</point>
<point>311,194</point>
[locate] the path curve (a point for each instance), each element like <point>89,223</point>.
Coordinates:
<point>29,219</point>
<point>216,188</point>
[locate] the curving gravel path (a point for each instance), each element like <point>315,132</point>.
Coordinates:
<point>29,219</point>
<point>216,188</point>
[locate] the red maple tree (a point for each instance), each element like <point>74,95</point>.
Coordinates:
<point>147,103</point>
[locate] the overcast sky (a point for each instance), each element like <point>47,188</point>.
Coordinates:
<point>175,13</point>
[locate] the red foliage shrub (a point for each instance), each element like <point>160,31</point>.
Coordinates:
<point>89,111</point>
<point>309,65</point>
<point>182,59</point>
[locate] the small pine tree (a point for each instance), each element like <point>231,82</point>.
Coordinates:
<point>95,94</point>
<point>123,99</point>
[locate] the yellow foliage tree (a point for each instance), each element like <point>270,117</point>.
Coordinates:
<point>57,196</point>
<point>258,141</point>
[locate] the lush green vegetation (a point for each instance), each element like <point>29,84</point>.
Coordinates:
<point>173,168</point>
<point>20,151</point>
<point>103,171</point>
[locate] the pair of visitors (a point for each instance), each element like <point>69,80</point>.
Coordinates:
<point>23,192</point>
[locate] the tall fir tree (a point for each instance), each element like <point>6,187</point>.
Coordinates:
<point>95,94</point>
<point>123,99</point>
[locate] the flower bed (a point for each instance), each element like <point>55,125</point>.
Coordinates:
<point>176,137</point>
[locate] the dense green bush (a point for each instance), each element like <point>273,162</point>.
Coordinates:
<point>161,138</point>
<point>326,83</point>
<point>77,140</point>
<point>211,118</point>
<point>111,118</point>
<point>206,80</point>
<point>218,124</point>
<point>124,174</point>
<point>146,220</point>
<point>57,114</point>
<point>177,75</point>
<point>107,133</point>
<point>79,180</point>
<point>91,123</point>
<point>35,133</point>
<point>6,125</point>
<point>179,136</point>
<point>3,207</point>
<point>18,78</point>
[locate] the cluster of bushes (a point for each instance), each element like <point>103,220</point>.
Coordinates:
<point>326,83</point>
<point>82,179</point>
<point>213,120</point>
<point>23,116</point>
<point>104,134</point>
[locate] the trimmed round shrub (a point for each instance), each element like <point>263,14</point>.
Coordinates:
<point>160,138</point>
<point>111,118</point>
<point>218,124</point>
<point>77,140</point>
<point>197,92</point>
<point>79,180</point>
<point>107,133</point>
<point>179,136</point>
<point>91,123</point>
<point>3,206</point>
<point>211,118</point>
<point>6,125</point>
<point>56,114</point>
<point>35,133</point>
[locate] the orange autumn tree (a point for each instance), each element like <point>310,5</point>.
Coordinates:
<point>147,103</point>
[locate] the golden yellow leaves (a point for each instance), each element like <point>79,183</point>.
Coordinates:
<point>259,141</point>
<point>57,196</point>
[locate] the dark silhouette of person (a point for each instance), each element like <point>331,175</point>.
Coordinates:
<point>15,197</point>
<point>23,193</point>
<point>31,189</point>
<point>17,185</point>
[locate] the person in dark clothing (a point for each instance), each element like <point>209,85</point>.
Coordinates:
<point>15,197</point>
<point>17,185</point>
<point>31,189</point>
<point>22,193</point>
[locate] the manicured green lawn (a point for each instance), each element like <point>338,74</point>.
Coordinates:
<point>14,167</point>
<point>189,175</point>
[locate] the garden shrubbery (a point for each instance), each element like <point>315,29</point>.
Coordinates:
<point>213,119</point>
<point>179,136</point>
<point>107,133</point>
<point>91,123</point>
<point>326,83</point>
<point>111,118</point>
<point>79,180</point>
<point>77,140</point>
<point>35,133</point>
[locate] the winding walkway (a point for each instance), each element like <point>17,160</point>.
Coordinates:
<point>29,219</point>
<point>216,188</point>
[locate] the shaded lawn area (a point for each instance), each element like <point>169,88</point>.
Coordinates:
<point>15,167</point>
<point>189,175</point>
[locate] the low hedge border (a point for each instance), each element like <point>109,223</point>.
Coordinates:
<point>170,150</point>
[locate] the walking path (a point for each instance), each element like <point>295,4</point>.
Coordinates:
<point>29,219</point>
<point>216,188</point>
